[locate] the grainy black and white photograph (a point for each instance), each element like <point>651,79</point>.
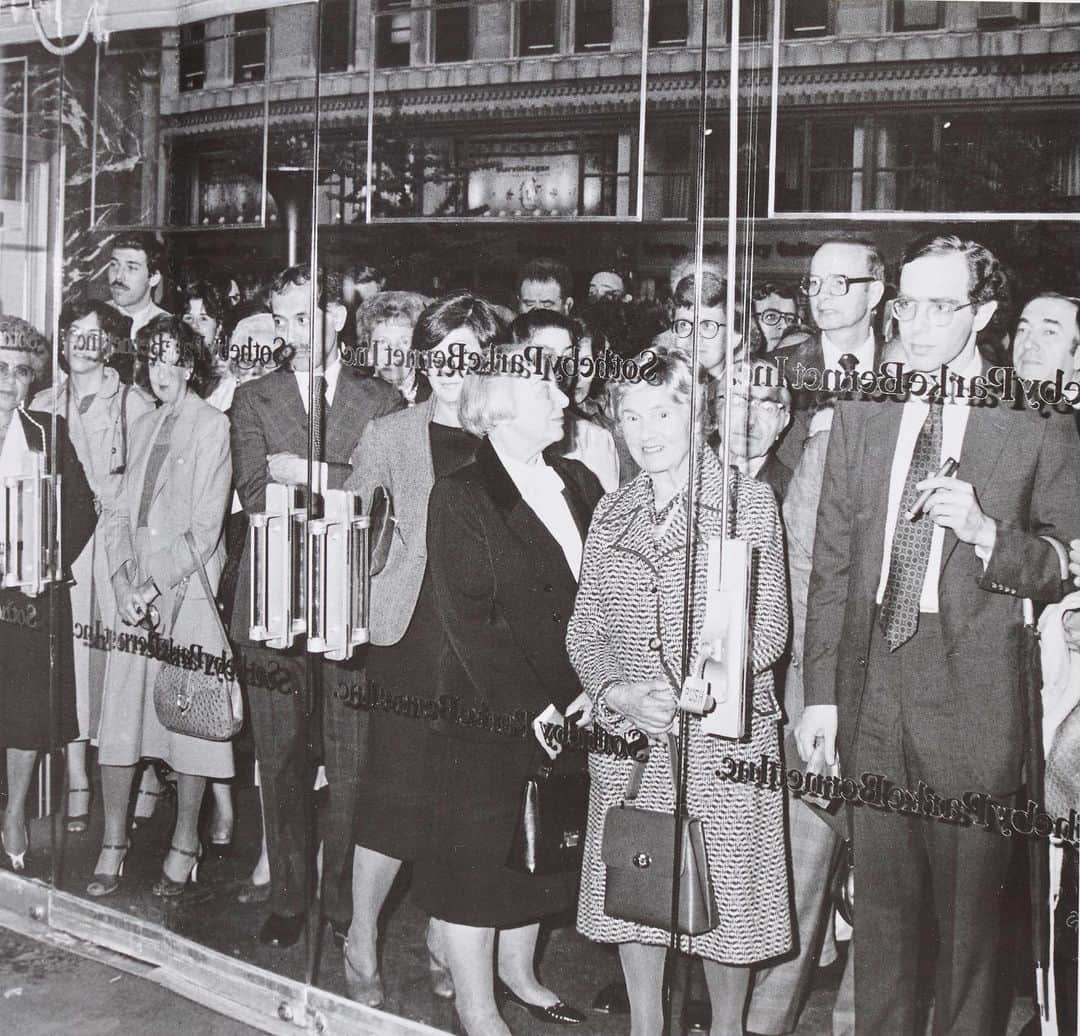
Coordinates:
<point>522,516</point>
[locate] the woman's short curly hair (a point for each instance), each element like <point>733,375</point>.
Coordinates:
<point>669,368</point>
<point>192,352</point>
<point>398,307</point>
<point>19,336</point>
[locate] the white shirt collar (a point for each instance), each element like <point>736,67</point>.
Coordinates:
<point>530,477</point>
<point>331,375</point>
<point>864,355</point>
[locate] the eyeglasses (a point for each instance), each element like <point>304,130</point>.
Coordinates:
<point>835,284</point>
<point>21,372</point>
<point>939,312</point>
<point>706,328</point>
<point>772,317</point>
<point>770,406</point>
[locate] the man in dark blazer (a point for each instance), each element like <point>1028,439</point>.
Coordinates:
<point>845,286</point>
<point>912,637</point>
<point>270,428</point>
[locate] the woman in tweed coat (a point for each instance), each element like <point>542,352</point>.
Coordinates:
<point>625,631</point>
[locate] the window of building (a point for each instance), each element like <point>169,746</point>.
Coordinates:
<point>452,30</point>
<point>538,27</point>
<point>249,47</point>
<point>834,172</point>
<point>393,34</point>
<point>336,32</point>
<point>753,20</point>
<point>1003,16</point>
<point>193,56</point>
<point>917,14</point>
<point>806,18</point>
<point>592,25</point>
<point>669,23</point>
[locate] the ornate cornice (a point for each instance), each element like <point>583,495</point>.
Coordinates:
<point>961,81</point>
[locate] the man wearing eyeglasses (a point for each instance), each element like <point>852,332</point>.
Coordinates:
<point>845,285</point>
<point>912,635</point>
<point>775,310</point>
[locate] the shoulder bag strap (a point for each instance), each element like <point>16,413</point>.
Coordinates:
<point>633,785</point>
<point>190,540</point>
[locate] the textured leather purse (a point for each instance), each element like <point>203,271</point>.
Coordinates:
<point>550,834</point>
<point>638,851</point>
<point>192,701</point>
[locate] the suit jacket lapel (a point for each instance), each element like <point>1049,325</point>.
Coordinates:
<point>520,518</point>
<point>874,471</point>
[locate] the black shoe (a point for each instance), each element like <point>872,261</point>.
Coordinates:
<point>558,1013</point>
<point>281,930</point>
<point>697,1016</point>
<point>612,998</point>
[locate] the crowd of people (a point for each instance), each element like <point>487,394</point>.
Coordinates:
<point>537,578</point>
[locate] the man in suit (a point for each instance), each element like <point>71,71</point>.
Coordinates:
<point>912,637</point>
<point>1047,336</point>
<point>845,286</point>
<point>270,436</point>
<point>760,412</point>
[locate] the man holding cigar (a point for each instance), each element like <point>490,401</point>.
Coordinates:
<point>912,637</point>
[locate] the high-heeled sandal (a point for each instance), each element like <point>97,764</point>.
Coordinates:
<point>77,823</point>
<point>18,860</point>
<point>166,887</point>
<point>360,988</point>
<point>104,883</point>
<point>442,982</point>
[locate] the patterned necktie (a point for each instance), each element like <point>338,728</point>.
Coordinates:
<point>318,417</point>
<point>899,617</point>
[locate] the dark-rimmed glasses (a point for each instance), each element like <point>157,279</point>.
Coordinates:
<point>835,284</point>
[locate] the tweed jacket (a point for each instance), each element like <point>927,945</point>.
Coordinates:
<point>395,452</point>
<point>1025,469</point>
<point>190,494</point>
<point>627,577</point>
<point>503,588</point>
<point>268,417</point>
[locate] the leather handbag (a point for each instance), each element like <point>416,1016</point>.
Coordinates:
<point>191,701</point>
<point>550,833</point>
<point>638,851</point>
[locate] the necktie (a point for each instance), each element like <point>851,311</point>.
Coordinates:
<point>318,417</point>
<point>899,617</point>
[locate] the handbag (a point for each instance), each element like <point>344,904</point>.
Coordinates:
<point>550,833</point>
<point>638,851</point>
<point>191,701</point>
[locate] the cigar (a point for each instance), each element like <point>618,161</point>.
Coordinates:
<point>947,470</point>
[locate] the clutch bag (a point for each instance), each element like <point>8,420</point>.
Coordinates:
<point>550,833</point>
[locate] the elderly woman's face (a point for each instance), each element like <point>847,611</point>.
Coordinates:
<point>538,410</point>
<point>388,338</point>
<point>656,427</point>
<point>446,381</point>
<point>168,379</point>
<point>16,375</point>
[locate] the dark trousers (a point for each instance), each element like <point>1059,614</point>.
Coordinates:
<point>915,875</point>
<point>288,744</point>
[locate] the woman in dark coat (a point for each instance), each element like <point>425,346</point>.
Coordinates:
<point>34,715</point>
<point>404,453</point>
<point>505,537</point>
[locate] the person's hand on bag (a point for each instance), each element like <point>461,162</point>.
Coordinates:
<point>817,721</point>
<point>129,601</point>
<point>648,704</point>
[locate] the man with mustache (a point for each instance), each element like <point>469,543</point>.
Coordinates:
<point>134,271</point>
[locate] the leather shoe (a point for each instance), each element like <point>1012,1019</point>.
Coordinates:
<point>281,930</point>
<point>697,1016</point>
<point>612,998</point>
<point>557,1013</point>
